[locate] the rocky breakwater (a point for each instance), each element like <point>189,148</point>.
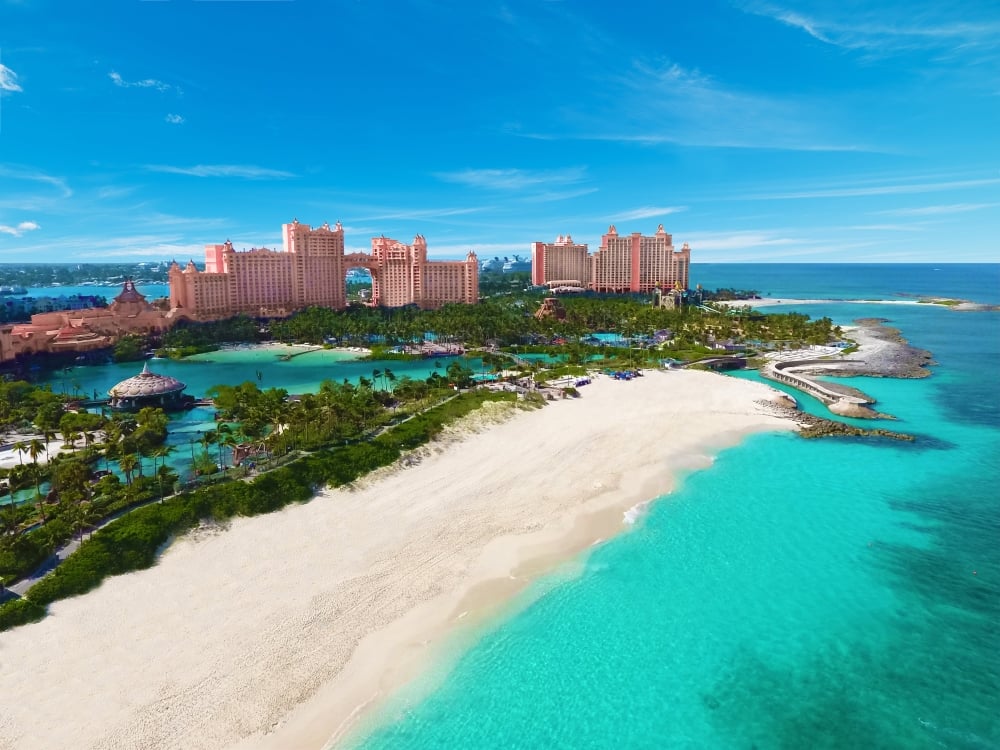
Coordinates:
<point>811,426</point>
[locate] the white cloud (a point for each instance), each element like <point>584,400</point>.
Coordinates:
<point>145,83</point>
<point>151,246</point>
<point>737,240</point>
<point>513,179</point>
<point>8,79</point>
<point>670,104</point>
<point>174,119</point>
<point>857,192</point>
<point>649,212</point>
<point>245,171</point>
<point>918,227</point>
<point>423,214</point>
<point>19,229</point>
<point>21,173</point>
<point>954,208</point>
<point>552,196</point>
<point>915,26</point>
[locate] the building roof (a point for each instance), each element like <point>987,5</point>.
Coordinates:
<point>129,293</point>
<point>146,384</point>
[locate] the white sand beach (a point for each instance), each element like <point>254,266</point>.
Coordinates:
<point>279,630</point>
<point>772,301</point>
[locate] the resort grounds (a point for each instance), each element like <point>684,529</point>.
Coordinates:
<point>285,630</point>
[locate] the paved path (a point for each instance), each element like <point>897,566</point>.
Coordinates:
<point>21,587</point>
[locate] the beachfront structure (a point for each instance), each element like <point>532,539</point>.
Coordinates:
<point>623,263</point>
<point>311,270</point>
<point>149,389</point>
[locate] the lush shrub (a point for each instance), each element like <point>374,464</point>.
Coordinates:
<point>19,612</point>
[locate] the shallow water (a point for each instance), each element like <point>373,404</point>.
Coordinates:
<point>798,593</point>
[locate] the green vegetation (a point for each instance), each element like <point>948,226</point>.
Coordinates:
<point>130,348</point>
<point>30,532</point>
<point>133,541</point>
<point>199,337</point>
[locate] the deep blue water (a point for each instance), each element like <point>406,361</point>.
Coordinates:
<point>797,594</point>
<point>978,282</point>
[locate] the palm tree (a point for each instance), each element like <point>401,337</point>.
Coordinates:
<point>162,451</point>
<point>223,437</point>
<point>36,474</point>
<point>376,374</point>
<point>127,464</point>
<point>230,441</point>
<point>35,448</point>
<point>21,447</point>
<point>70,437</point>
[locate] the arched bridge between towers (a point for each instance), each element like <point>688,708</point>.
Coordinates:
<point>362,260</point>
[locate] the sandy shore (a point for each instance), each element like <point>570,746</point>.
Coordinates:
<point>278,631</point>
<point>772,301</point>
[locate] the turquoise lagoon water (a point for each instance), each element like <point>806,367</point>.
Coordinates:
<point>264,366</point>
<point>798,594</point>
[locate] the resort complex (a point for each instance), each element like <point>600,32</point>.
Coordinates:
<point>85,330</point>
<point>623,263</point>
<point>311,270</point>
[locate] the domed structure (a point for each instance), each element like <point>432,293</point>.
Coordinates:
<point>149,389</point>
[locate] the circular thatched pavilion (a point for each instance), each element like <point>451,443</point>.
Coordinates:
<point>149,389</point>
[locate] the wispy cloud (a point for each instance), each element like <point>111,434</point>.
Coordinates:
<point>19,229</point>
<point>898,189</point>
<point>953,208</point>
<point>916,227</point>
<point>513,179</point>
<point>886,30</point>
<point>427,214</point>
<point>245,171</point>
<point>742,240</point>
<point>649,212</point>
<point>145,83</point>
<point>31,175</point>
<point>150,246</point>
<point>174,119</point>
<point>560,195</point>
<point>672,104</point>
<point>8,79</point>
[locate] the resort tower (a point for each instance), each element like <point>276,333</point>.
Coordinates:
<point>311,270</point>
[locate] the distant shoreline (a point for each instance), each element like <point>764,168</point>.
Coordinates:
<point>946,302</point>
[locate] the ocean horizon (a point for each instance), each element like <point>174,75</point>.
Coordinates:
<point>798,593</point>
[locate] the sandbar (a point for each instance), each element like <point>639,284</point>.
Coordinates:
<point>280,630</point>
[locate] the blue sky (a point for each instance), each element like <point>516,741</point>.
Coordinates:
<point>755,131</point>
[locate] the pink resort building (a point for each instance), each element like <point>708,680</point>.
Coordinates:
<point>311,270</point>
<point>85,330</point>
<point>623,263</point>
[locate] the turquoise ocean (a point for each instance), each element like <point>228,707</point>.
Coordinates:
<point>840,593</point>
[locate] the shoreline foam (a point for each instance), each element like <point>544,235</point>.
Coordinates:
<point>287,628</point>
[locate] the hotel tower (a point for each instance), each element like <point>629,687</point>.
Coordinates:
<point>311,270</point>
<point>623,263</point>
